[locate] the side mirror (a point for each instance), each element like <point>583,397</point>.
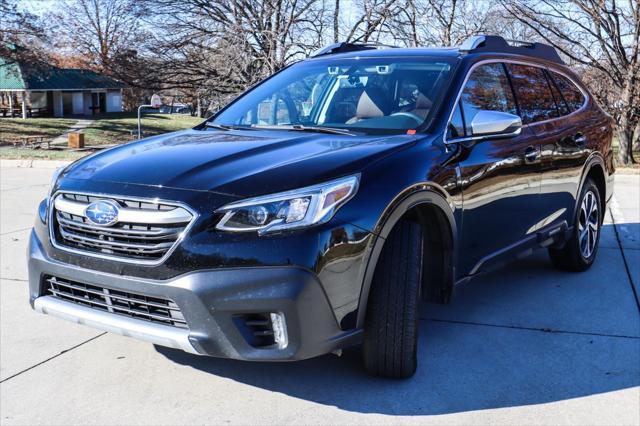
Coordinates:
<point>495,123</point>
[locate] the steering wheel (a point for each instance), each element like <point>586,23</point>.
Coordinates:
<point>416,117</point>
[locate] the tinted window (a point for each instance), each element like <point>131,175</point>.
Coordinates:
<point>571,94</point>
<point>557,96</point>
<point>533,93</point>
<point>369,95</point>
<point>456,126</point>
<point>488,89</point>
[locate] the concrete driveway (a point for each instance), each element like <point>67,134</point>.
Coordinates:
<point>524,345</point>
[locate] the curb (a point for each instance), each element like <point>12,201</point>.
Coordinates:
<point>33,164</point>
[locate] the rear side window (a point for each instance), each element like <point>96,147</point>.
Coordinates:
<point>487,89</point>
<point>533,93</point>
<point>573,95</point>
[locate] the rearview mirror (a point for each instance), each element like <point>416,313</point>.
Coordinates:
<point>489,123</point>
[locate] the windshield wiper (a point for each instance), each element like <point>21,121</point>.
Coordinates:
<point>302,128</point>
<point>227,126</point>
<point>320,129</point>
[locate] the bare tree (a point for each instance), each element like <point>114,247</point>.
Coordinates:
<point>98,30</point>
<point>602,36</point>
<point>223,46</point>
<point>21,34</point>
<point>440,22</point>
<point>373,22</point>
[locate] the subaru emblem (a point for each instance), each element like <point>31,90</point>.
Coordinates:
<point>103,213</point>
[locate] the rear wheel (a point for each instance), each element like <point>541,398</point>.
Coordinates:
<point>580,250</point>
<point>391,325</point>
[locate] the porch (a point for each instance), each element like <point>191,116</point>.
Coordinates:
<point>59,103</point>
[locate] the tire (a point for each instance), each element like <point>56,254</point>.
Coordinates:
<point>581,248</point>
<point>391,322</point>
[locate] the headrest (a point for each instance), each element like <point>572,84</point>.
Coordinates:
<point>422,102</point>
<point>373,103</point>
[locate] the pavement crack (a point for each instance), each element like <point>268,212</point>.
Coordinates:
<point>53,357</point>
<point>15,231</point>
<point>624,259</point>
<point>541,329</point>
<point>24,187</point>
<point>13,279</point>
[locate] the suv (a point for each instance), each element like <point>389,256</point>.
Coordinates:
<point>317,210</point>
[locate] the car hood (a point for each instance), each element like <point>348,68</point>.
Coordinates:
<point>240,163</point>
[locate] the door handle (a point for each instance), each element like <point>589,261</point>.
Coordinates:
<point>530,154</point>
<point>580,139</point>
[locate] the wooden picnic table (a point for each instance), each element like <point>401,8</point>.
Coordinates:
<point>17,112</point>
<point>32,142</point>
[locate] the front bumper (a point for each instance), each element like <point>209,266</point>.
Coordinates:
<point>118,324</point>
<point>210,300</point>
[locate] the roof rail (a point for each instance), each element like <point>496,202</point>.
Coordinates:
<point>344,47</point>
<point>497,44</point>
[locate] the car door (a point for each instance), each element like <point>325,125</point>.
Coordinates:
<point>568,145</point>
<point>545,112</point>
<point>499,177</point>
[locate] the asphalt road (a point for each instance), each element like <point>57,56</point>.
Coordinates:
<point>524,345</point>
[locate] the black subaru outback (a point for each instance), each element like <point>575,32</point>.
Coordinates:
<point>319,208</point>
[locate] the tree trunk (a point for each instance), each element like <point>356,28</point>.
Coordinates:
<point>336,22</point>
<point>636,140</point>
<point>625,135</point>
<point>626,126</point>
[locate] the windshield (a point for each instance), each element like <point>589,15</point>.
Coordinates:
<point>369,95</point>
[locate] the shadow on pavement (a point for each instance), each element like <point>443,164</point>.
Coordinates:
<point>512,360</point>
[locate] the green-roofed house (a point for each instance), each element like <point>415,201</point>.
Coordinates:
<point>29,89</point>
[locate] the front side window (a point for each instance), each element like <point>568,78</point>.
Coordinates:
<point>369,95</point>
<point>571,94</point>
<point>486,89</point>
<point>533,93</point>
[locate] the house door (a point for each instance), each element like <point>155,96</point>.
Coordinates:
<point>98,103</point>
<point>67,103</point>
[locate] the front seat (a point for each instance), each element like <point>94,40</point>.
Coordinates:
<point>373,103</point>
<point>422,107</point>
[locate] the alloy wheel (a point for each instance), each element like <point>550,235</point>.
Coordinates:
<point>588,224</point>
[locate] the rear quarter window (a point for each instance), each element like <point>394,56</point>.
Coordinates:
<point>563,108</point>
<point>456,126</point>
<point>532,93</point>
<point>570,92</point>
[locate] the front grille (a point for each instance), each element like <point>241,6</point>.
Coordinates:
<point>153,309</point>
<point>146,232</point>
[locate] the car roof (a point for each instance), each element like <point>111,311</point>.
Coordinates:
<point>481,45</point>
<point>452,52</point>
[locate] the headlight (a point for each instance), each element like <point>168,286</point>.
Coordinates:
<point>288,210</point>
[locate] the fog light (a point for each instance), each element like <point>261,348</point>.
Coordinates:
<point>279,327</point>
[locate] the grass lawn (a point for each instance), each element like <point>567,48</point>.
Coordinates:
<point>16,128</point>
<point>107,129</point>
<point>117,128</point>
<point>9,153</point>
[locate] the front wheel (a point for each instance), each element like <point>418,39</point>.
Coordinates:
<point>391,324</point>
<point>580,250</point>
